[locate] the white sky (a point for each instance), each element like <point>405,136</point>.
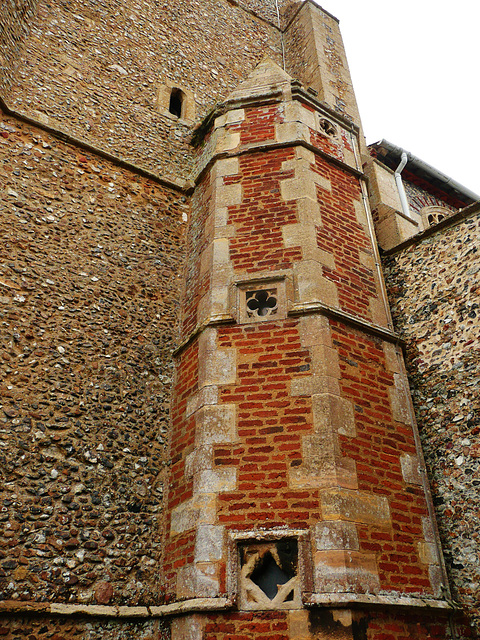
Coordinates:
<point>415,66</point>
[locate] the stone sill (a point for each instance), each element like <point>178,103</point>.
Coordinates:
<point>394,600</point>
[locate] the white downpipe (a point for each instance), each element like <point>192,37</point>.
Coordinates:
<point>371,231</point>
<point>400,187</point>
<point>281,34</point>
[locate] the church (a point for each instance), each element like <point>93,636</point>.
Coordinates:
<point>239,348</point>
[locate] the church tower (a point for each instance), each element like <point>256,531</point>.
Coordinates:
<point>297,504</point>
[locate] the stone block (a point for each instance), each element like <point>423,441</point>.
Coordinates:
<point>315,330</point>
<point>209,543</point>
<point>216,424</point>
<point>200,509</point>
<point>336,535</point>
<point>215,480</point>
<point>378,312</point>
<point>392,358</point>
<point>227,142</point>
<point>355,506</point>
<point>344,571</point>
<point>188,627</point>
<point>295,112</point>
<point>298,625</point>
<point>400,399</point>
<point>224,167</point>
<point>311,286</point>
<point>199,580</point>
<point>219,368</point>
<point>311,385</point>
<point>227,195</point>
<point>428,553</point>
<point>411,469</point>
<point>291,132</point>
<point>332,414</point>
<point>199,459</point>
<point>206,395</point>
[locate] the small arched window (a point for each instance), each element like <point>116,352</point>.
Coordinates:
<point>176,102</point>
<point>434,214</point>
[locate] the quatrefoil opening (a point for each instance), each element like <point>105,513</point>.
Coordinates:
<point>261,303</point>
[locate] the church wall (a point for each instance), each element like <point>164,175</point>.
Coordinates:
<point>434,290</point>
<point>15,20</point>
<point>67,628</point>
<point>91,257</point>
<point>101,73</point>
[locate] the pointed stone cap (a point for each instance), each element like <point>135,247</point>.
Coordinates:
<point>265,79</point>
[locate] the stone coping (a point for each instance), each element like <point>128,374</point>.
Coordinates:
<point>114,611</point>
<point>297,310</point>
<point>450,221</point>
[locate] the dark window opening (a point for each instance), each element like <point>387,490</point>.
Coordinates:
<point>261,303</point>
<point>268,576</point>
<point>176,103</point>
<point>275,566</point>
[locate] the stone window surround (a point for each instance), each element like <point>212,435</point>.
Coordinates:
<point>164,93</point>
<point>256,537</point>
<point>437,212</point>
<point>280,282</point>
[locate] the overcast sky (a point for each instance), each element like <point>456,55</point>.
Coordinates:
<point>415,69</point>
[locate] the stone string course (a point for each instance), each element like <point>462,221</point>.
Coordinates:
<point>434,291</point>
<point>89,279</point>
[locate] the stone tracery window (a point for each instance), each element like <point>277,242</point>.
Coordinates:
<point>269,575</point>
<point>433,215</point>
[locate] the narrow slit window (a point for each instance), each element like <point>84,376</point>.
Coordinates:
<point>176,103</point>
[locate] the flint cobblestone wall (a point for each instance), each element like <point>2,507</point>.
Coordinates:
<point>37,628</point>
<point>95,71</point>
<point>15,20</point>
<point>89,279</point>
<point>434,292</point>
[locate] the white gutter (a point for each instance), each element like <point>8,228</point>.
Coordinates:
<point>431,172</point>
<point>400,187</point>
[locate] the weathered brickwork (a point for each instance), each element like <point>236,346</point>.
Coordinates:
<point>419,198</point>
<point>91,256</point>
<point>317,624</point>
<point>346,239</point>
<point>258,242</point>
<point>270,428</point>
<point>406,627</point>
<point>434,291</point>
<point>379,440</point>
